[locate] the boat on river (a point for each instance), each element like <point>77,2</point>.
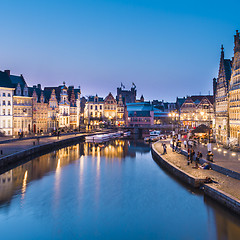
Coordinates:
<point>103,137</point>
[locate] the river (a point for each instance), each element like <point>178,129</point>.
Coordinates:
<point>111,191</point>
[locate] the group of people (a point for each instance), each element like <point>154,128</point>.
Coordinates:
<point>192,156</point>
<point>176,145</point>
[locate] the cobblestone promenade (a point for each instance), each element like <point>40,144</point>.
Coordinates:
<point>223,182</point>
<point>16,146</point>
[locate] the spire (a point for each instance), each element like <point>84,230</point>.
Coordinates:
<point>236,42</point>
<point>222,54</point>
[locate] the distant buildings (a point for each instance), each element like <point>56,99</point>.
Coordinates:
<point>128,96</point>
<point>140,114</point>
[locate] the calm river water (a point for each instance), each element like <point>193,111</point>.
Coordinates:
<point>115,191</point>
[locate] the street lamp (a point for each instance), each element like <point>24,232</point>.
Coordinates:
<point>209,131</point>
<point>173,115</point>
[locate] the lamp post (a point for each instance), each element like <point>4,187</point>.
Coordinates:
<point>209,131</point>
<point>174,116</point>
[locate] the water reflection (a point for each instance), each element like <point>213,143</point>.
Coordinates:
<point>94,180</point>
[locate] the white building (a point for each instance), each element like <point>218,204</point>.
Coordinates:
<point>6,104</point>
<point>94,110</point>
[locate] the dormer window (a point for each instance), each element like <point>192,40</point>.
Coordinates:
<point>25,91</point>
<point>18,90</point>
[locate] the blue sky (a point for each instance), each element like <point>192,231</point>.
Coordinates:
<point>167,49</point>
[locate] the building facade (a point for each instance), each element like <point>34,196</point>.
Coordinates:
<point>234,94</point>
<point>221,125</point>
<point>121,112</point>
<point>22,106</point>
<point>94,111</point>
<point>6,104</point>
<point>140,114</point>
<point>128,96</point>
<point>197,110</point>
<point>110,109</point>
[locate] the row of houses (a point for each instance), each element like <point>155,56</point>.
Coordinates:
<point>25,110</point>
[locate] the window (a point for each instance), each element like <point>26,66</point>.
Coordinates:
<point>9,103</point>
<point>95,107</point>
<point>4,112</point>
<point>91,106</point>
<point>4,94</point>
<point>9,95</point>
<point>4,103</point>
<point>3,123</point>
<point>100,107</point>
<point>9,112</point>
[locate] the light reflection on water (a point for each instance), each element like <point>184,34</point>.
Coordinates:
<point>112,191</point>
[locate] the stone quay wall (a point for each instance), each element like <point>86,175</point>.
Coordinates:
<point>221,197</point>
<point>185,177</point>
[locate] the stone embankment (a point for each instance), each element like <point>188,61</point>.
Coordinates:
<point>14,152</point>
<point>223,189</point>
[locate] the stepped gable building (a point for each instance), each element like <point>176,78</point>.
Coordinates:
<point>221,100</point>
<point>6,103</point>
<point>197,110</point>
<point>22,106</point>
<point>64,106</point>
<point>121,112</point>
<point>128,96</point>
<point>40,109</point>
<point>234,94</point>
<point>110,109</point>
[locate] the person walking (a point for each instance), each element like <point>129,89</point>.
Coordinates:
<point>188,157</point>
<point>164,149</point>
<point>185,144</point>
<point>197,159</point>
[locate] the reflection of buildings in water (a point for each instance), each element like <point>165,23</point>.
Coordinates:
<point>40,166</point>
<point>17,178</point>
<point>226,228</point>
<point>110,150</point>
<point>138,147</point>
<point>6,186</point>
<point>227,224</point>
<point>24,184</point>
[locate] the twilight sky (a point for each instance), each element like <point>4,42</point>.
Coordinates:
<point>167,48</point>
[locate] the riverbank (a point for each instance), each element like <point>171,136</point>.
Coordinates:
<point>223,189</point>
<point>16,151</point>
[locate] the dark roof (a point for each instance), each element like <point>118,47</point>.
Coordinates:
<point>198,98</point>
<point>139,114</point>
<point>91,99</point>
<point>5,80</point>
<point>227,67</point>
<point>48,92</point>
<point>18,79</point>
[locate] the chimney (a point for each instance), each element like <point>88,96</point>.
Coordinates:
<point>8,72</point>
